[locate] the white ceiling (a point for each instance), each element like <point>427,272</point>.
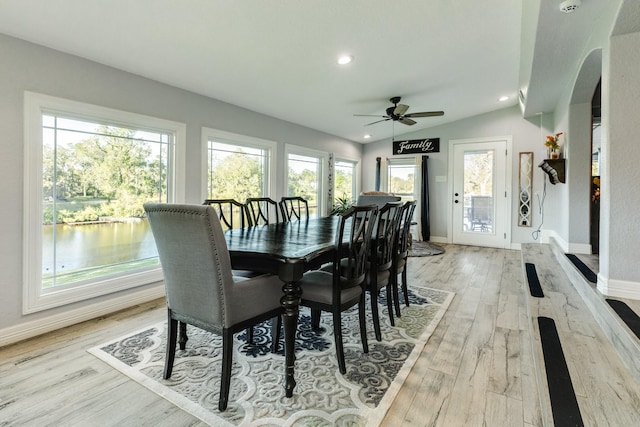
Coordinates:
<point>279,57</point>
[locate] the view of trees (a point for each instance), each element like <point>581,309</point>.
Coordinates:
<point>478,180</point>
<point>398,185</point>
<point>109,174</point>
<point>344,182</point>
<point>304,184</point>
<point>237,173</point>
<point>236,176</point>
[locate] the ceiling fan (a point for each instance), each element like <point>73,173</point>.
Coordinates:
<point>397,114</point>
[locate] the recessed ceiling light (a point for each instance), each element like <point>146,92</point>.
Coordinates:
<point>367,136</point>
<point>503,98</point>
<point>345,59</point>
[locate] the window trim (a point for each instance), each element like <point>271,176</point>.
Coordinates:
<point>356,172</point>
<point>35,104</point>
<point>405,161</point>
<point>238,139</point>
<point>323,203</point>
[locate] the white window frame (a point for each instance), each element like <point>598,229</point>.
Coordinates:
<point>356,172</point>
<point>241,140</point>
<point>323,203</point>
<point>405,161</point>
<point>35,105</point>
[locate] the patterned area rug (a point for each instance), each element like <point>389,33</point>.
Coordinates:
<point>322,396</point>
<point>425,249</point>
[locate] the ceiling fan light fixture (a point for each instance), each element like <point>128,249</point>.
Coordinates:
<point>396,113</point>
<point>345,59</point>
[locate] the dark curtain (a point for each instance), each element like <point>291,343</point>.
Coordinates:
<point>424,203</point>
<point>378,160</point>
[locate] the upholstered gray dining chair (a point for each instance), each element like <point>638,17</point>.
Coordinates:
<point>380,273</point>
<point>402,253</point>
<point>294,208</point>
<point>263,210</point>
<point>344,285</point>
<point>233,214</point>
<point>200,288</point>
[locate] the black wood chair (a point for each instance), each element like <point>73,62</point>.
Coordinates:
<point>344,286</point>
<point>402,254</point>
<point>200,288</point>
<point>294,208</point>
<point>232,213</point>
<point>263,210</point>
<point>381,259</point>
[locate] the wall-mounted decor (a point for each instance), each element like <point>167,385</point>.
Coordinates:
<point>525,183</point>
<point>554,169</point>
<point>427,145</point>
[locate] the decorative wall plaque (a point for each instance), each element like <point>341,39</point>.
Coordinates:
<point>410,146</point>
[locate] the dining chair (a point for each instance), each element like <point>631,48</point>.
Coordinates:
<point>344,286</point>
<point>200,289</point>
<point>379,274</point>
<point>232,213</point>
<point>402,253</point>
<point>263,210</point>
<point>294,208</point>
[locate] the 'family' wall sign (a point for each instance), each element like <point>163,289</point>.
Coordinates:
<point>428,145</point>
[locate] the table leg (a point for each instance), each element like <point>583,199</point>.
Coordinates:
<point>291,304</point>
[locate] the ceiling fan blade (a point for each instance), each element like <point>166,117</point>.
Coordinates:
<point>370,115</point>
<point>373,123</point>
<point>406,121</point>
<point>426,114</point>
<point>400,109</point>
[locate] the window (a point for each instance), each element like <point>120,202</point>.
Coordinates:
<point>306,177</point>
<point>89,170</point>
<point>345,180</point>
<point>237,166</point>
<point>401,177</point>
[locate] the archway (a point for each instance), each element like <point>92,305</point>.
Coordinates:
<point>580,130</point>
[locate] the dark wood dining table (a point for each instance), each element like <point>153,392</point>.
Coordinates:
<point>288,250</point>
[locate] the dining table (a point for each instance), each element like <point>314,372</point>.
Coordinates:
<point>287,249</point>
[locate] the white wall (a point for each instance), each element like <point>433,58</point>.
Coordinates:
<point>613,51</point>
<point>29,67</point>
<point>623,159</point>
<point>507,121</point>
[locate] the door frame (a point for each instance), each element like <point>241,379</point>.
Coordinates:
<point>507,176</point>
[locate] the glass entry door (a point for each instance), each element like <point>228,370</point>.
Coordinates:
<point>479,194</point>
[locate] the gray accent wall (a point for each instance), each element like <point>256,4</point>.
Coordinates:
<point>29,67</point>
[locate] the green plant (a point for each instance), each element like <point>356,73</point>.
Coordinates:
<point>341,205</point>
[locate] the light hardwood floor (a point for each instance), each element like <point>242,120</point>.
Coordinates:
<point>478,368</point>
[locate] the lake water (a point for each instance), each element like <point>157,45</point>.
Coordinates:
<point>95,245</point>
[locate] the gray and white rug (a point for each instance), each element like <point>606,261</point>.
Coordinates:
<point>425,249</point>
<point>322,396</point>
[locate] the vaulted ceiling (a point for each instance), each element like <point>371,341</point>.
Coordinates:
<point>280,57</point>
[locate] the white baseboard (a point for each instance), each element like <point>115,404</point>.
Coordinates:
<point>579,248</point>
<point>436,239</point>
<point>548,235</point>
<point>42,325</point>
<point>567,247</point>
<point>618,288</point>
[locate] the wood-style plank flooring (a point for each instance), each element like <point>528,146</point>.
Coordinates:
<point>478,368</point>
